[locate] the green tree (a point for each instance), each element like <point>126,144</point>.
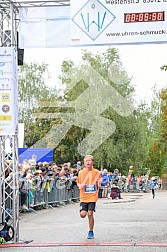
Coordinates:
<point>136,136</point>
<point>33,92</point>
<point>125,146</point>
<point>31,88</point>
<point>163,125</point>
<point>155,157</point>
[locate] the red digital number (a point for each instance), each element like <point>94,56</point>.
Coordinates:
<point>154,16</point>
<point>160,16</point>
<point>133,17</point>
<point>146,16</point>
<point>127,18</point>
<point>141,17</point>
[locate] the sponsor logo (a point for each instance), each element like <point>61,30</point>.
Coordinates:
<point>2,64</point>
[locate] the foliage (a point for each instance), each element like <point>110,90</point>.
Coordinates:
<point>139,139</point>
<point>33,93</point>
<point>31,89</point>
<point>126,145</point>
<point>163,124</point>
<point>164,68</point>
<point>155,158</point>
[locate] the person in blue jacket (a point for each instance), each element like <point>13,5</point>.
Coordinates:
<point>153,186</point>
<point>105,183</point>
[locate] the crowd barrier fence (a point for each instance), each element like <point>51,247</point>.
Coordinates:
<point>42,194</point>
<point>51,193</point>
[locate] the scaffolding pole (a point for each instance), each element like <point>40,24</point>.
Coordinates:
<point>9,189</point>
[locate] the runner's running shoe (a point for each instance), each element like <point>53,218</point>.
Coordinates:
<point>90,235</point>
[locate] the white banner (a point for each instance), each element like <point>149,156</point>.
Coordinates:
<point>93,22</point>
<point>8,91</point>
<point>108,22</point>
<point>44,27</point>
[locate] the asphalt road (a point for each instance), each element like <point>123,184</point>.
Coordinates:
<point>136,223</point>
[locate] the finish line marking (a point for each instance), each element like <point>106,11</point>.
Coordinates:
<point>63,244</point>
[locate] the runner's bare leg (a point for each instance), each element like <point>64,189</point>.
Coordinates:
<point>91,220</point>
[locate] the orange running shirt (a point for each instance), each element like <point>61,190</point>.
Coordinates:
<point>88,180</point>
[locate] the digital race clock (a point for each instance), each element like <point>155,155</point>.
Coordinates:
<point>144,17</point>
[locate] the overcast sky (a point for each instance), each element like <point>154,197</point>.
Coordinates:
<point>142,62</point>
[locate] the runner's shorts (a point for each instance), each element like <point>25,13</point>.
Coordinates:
<point>84,206</point>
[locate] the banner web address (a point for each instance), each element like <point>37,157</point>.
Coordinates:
<point>134,33</point>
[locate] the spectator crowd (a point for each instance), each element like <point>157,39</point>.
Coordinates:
<point>45,175</point>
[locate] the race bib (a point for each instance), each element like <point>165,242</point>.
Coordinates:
<point>90,188</point>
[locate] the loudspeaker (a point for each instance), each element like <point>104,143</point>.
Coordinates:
<point>20,56</point>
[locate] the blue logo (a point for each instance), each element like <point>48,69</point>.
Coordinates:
<point>93,18</point>
<point>2,64</point>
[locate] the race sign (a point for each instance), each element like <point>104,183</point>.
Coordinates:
<point>106,22</point>
<point>8,91</point>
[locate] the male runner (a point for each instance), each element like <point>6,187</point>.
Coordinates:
<point>88,180</point>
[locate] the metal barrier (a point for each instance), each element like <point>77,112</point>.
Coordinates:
<point>49,193</point>
<point>135,187</point>
<point>164,186</point>
<point>53,192</point>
